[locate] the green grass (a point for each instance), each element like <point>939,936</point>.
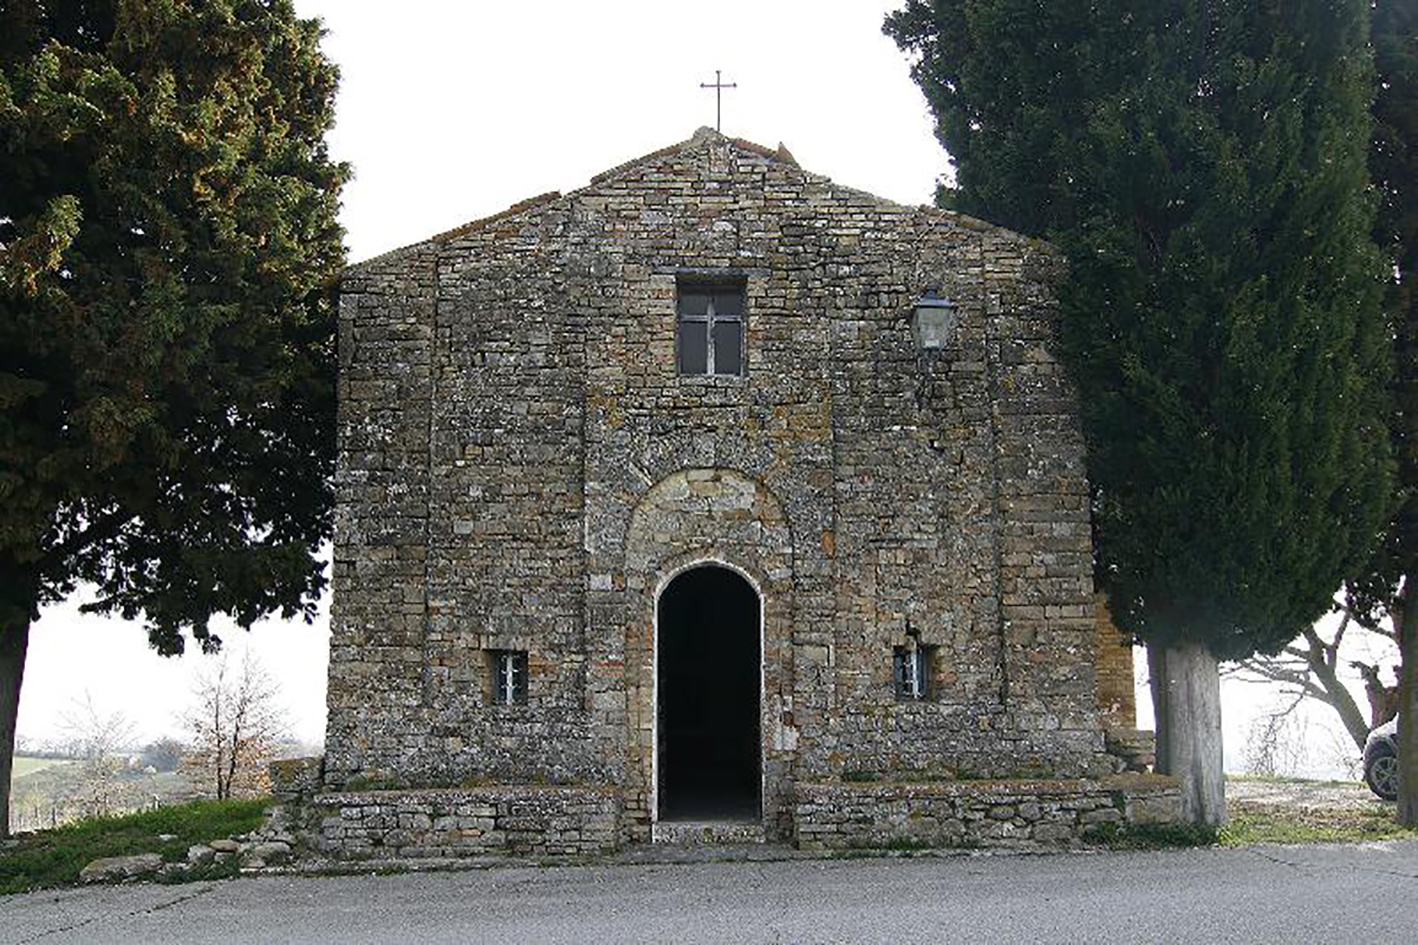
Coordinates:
<point>1290,779</point>
<point>1254,824</point>
<point>59,791</point>
<point>24,765</point>
<point>1249,825</point>
<point>1151,836</point>
<point>54,857</point>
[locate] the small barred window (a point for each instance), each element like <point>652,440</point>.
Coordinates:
<point>509,677</point>
<point>912,671</point>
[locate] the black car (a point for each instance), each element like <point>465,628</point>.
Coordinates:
<point>1381,760</point>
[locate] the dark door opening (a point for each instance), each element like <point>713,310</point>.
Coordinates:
<point>710,682</point>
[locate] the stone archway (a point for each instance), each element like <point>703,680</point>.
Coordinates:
<point>708,696</point>
<point>692,519</point>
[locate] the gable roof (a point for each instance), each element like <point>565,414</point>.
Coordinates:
<point>704,135</point>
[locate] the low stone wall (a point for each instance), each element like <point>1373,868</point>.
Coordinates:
<point>294,779</point>
<point>975,813</point>
<point>489,821</point>
<point>1136,747</point>
<point>583,821</point>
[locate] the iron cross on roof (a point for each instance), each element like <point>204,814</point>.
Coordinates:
<point>718,86</point>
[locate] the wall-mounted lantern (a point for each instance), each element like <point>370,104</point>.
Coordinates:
<point>935,321</point>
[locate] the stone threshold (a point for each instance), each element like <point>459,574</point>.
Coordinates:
<point>707,832</point>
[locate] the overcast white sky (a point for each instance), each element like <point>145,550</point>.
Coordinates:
<point>450,111</point>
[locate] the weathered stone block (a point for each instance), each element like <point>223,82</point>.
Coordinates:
<point>1104,815</point>
<point>115,868</point>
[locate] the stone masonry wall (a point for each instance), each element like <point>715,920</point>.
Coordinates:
<point>522,467</point>
<point>1117,689</point>
<point>969,814</point>
<point>487,821</point>
<point>377,668</point>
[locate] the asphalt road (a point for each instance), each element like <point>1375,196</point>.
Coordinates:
<point>1366,894</point>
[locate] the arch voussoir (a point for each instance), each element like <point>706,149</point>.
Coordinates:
<point>697,518</point>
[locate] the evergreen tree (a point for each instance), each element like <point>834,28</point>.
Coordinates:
<point>1202,164</point>
<point>1382,588</point>
<point>167,237</point>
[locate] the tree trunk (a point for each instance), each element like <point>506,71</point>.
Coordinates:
<point>14,643</point>
<point>1186,698</point>
<point>1407,712</point>
<point>1342,702</point>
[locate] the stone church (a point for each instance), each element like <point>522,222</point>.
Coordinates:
<point>714,499</point>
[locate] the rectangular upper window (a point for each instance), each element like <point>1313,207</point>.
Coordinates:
<point>709,332</point>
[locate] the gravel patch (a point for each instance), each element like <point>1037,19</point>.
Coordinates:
<point>1298,795</point>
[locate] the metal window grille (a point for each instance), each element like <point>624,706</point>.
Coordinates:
<point>509,677</point>
<point>911,671</point>
<point>709,335</point>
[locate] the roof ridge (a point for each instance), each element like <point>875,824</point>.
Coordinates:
<point>457,231</point>
<point>781,153</point>
<point>643,159</point>
<point>700,137</point>
<point>480,222</point>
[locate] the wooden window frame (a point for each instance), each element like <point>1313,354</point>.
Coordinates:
<point>709,319</point>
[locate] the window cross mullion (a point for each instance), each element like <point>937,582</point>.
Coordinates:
<point>709,314</point>
<point>709,332</point>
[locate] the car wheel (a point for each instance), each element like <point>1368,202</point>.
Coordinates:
<point>1381,773</point>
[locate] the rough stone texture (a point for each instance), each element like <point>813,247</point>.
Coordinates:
<point>707,833</point>
<point>1137,748</point>
<point>295,778</point>
<point>962,813</point>
<point>113,868</point>
<point>468,822</point>
<point>265,853</point>
<point>1117,690</point>
<point>521,467</point>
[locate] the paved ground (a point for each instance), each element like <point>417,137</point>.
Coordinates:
<point>1260,894</point>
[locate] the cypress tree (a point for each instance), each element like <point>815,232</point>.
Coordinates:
<point>1202,163</point>
<point>167,233</point>
<point>1382,588</point>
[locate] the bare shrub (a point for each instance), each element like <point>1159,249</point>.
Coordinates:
<point>234,725</point>
<point>99,742</point>
<point>1276,743</point>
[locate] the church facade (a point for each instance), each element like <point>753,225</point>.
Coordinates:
<point>712,496</point>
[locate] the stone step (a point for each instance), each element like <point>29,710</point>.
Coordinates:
<point>707,833</point>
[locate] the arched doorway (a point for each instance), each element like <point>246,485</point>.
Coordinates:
<point>709,689</point>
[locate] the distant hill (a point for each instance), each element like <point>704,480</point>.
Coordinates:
<point>29,764</point>
<point>49,791</point>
